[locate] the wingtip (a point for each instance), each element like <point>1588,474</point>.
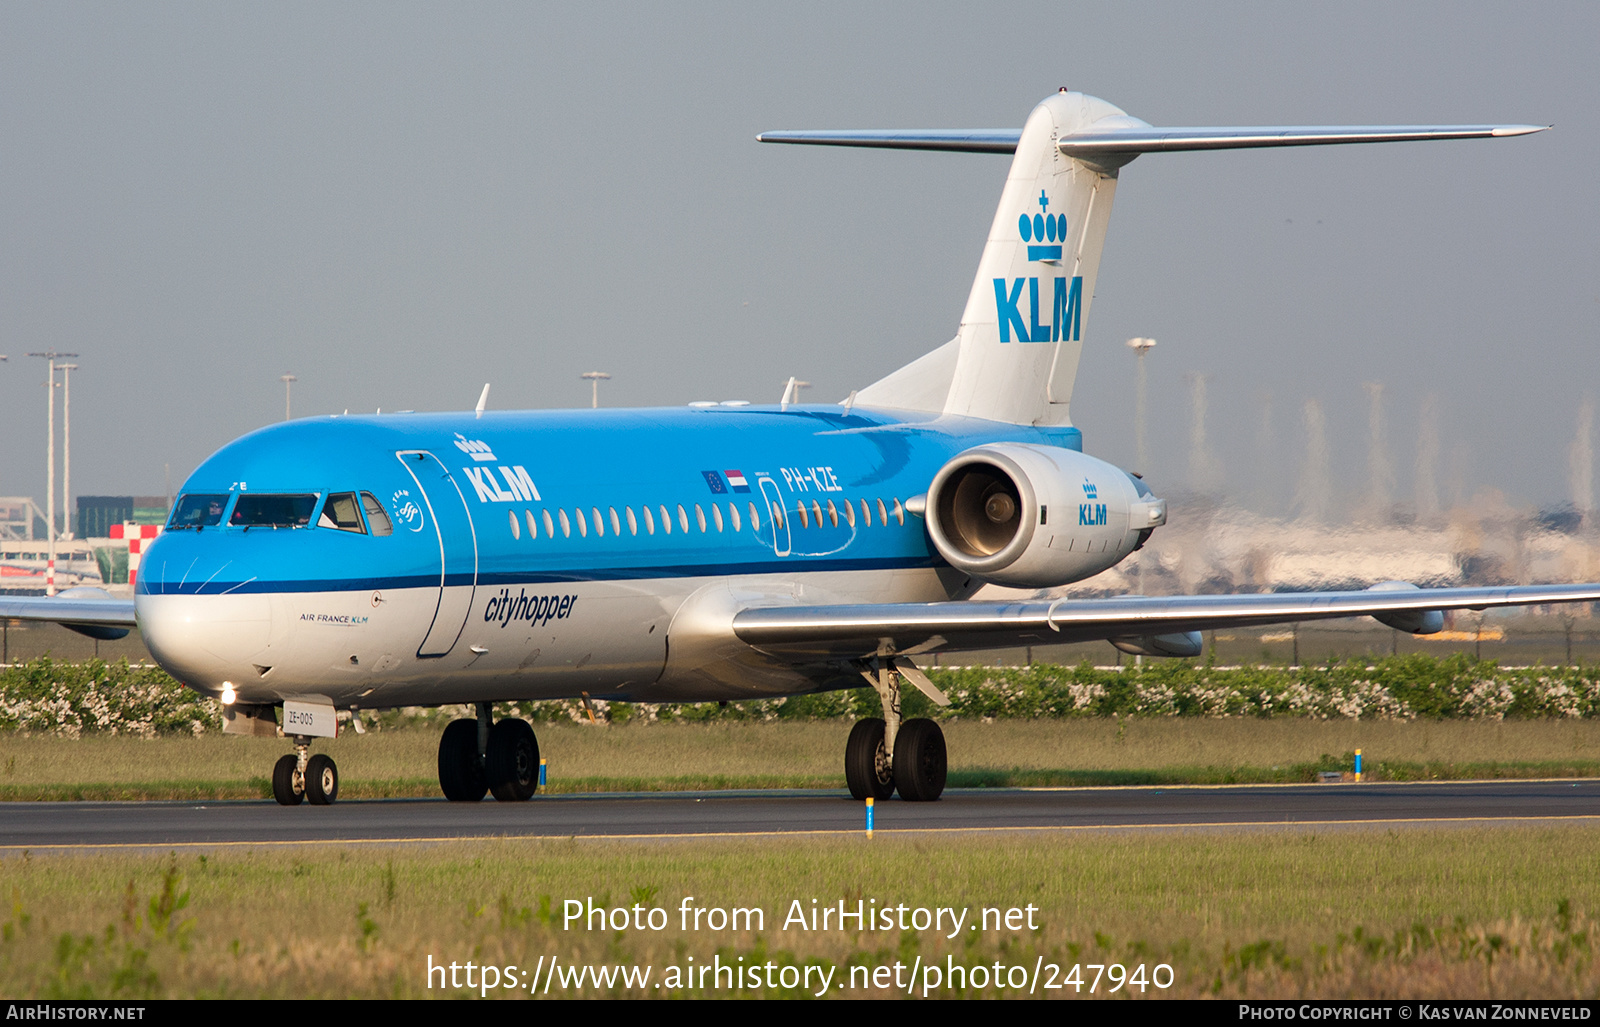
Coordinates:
<point>1519,130</point>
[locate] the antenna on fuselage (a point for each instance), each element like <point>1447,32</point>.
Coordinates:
<point>791,392</point>
<point>483,400</point>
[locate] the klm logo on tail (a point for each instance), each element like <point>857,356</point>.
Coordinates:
<point>1044,233</point>
<point>1064,321</point>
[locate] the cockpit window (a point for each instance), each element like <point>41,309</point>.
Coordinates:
<point>377,519</point>
<point>259,510</point>
<point>198,511</point>
<point>340,511</point>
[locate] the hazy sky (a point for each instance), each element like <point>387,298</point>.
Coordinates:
<point>399,202</point>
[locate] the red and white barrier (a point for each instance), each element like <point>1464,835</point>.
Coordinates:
<point>138,536</point>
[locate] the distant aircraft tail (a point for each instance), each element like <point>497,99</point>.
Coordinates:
<point>1015,357</point>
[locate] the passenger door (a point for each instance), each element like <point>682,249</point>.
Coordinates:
<point>458,548</point>
<point>780,523</point>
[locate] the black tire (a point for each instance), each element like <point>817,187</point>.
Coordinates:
<point>866,762</point>
<point>322,780</point>
<point>919,761</point>
<point>283,782</point>
<point>460,774</point>
<point>513,765</point>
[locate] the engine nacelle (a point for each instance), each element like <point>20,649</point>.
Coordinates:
<point>1032,516</point>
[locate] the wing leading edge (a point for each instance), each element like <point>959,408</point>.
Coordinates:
<point>864,630</point>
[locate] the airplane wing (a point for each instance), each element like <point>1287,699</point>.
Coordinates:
<point>102,617</point>
<point>852,631</point>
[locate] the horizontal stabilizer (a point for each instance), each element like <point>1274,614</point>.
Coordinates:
<point>1022,331</point>
<point>958,140</point>
<point>1134,141</point>
<point>1141,138</point>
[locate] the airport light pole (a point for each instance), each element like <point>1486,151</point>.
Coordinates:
<point>1141,454</point>
<point>1140,347</point>
<point>66,447</point>
<point>594,378</point>
<point>50,468</point>
<point>288,381</point>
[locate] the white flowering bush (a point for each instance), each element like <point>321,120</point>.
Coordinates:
<point>47,696</point>
<point>72,699</point>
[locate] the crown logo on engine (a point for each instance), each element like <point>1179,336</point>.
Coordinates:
<point>1044,231</point>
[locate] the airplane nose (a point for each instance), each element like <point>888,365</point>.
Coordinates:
<point>206,639</point>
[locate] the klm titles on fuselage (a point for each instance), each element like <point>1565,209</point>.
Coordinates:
<point>1044,233</point>
<point>519,485</point>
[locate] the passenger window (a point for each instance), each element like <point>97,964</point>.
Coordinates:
<point>816,511</point>
<point>666,521</point>
<point>377,519</point>
<point>340,511</point>
<point>516,525</point>
<point>805,518</point>
<point>755,519</point>
<point>599,523</point>
<point>899,513</point>
<point>566,525</point>
<point>849,512</point>
<point>616,524</point>
<point>733,513</point>
<point>883,514</point>
<point>833,514</point>
<point>866,514</point>
<point>649,521</point>
<point>549,525</point>
<point>777,516</point>
<point>633,523</point>
<point>700,518</point>
<point>683,519</point>
<point>583,525</point>
<point>533,526</point>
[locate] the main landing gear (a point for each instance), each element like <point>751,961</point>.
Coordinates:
<point>479,756</point>
<point>884,755</point>
<point>301,776</point>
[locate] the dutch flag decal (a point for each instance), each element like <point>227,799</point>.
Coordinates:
<point>736,479</point>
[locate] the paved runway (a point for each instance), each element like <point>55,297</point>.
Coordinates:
<point>75,825</point>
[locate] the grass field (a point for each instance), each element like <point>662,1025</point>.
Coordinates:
<point>1346,914</point>
<point>676,756</point>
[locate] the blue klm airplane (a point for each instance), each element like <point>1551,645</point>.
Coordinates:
<point>714,552</point>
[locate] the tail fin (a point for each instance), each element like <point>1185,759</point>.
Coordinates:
<point>1021,332</point>
<point>1015,358</point>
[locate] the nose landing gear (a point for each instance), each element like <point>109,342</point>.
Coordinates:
<point>478,756</point>
<point>301,776</point>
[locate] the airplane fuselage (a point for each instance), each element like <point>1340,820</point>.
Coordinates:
<point>549,554</point>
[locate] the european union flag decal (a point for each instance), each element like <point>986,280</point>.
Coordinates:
<point>714,480</point>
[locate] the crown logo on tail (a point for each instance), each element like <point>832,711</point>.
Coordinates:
<point>1050,231</point>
